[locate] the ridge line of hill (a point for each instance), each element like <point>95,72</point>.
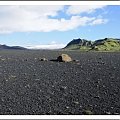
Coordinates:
<point>106,44</point>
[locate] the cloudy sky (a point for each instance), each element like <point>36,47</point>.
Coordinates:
<point>46,26</point>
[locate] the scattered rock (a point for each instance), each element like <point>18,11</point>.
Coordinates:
<point>75,60</point>
<point>35,58</point>
<point>76,102</point>
<point>2,59</point>
<point>87,112</point>
<point>116,113</point>
<point>67,107</point>
<point>43,59</point>
<point>64,58</point>
<point>108,113</point>
<point>60,87</point>
<point>63,88</point>
<point>25,60</point>
<point>13,76</point>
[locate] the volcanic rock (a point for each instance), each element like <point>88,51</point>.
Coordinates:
<point>43,59</point>
<point>64,58</point>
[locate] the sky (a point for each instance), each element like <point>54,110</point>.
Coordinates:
<point>53,26</point>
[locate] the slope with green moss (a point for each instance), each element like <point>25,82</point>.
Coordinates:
<point>79,44</point>
<point>107,44</point>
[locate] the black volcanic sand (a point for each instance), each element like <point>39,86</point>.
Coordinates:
<point>30,86</point>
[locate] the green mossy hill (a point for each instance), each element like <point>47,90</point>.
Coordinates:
<point>107,44</point>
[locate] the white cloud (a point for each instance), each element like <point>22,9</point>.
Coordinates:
<point>48,46</point>
<point>43,10</point>
<point>52,45</point>
<point>99,21</point>
<point>36,19</point>
<point>76,9</point>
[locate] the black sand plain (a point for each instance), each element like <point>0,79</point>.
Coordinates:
<point>29,86</point>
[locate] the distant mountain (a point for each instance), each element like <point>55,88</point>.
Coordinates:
<point>11,47</point>
<point>79,44</point>
<point>107,44</point>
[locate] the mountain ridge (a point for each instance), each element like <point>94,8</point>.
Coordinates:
<point>106,44</point>
<point>2,47</point>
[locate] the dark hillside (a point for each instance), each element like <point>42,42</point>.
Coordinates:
<point>2,47</point>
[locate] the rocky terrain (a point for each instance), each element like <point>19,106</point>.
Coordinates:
<point>32,85</point>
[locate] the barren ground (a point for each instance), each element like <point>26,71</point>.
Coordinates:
<point>30,86</point>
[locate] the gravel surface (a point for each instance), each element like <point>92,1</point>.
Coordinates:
<point>30,86</point>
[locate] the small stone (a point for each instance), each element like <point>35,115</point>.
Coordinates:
<point>3,59</point>
<point>27,86</point>
<point>43,59</point>
<point>116,113</point>
<point>108,113</point>
<point>76,102</point>
<point>37,79</point>
<point>63,87</point>
<point>97,97</point>
<point>2,99</point>
<point>78,63</point>
<point>104,86</point>
<point>26,60</point>
<point>67,107</point>
<point>111,107</point>
<point>87,112</point>
<point>75,60</point>
<point>13,76</point>
<point>53,86</point>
